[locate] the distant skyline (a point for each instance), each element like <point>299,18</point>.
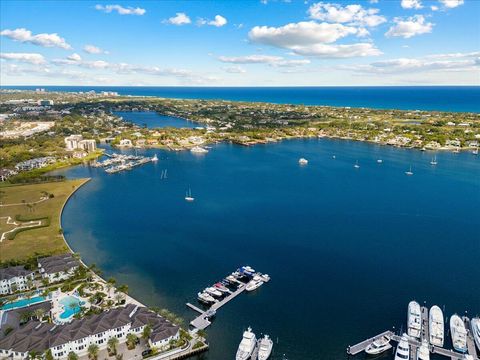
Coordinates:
<point>240,43</point>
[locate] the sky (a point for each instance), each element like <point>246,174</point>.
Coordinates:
<point>240,43</point>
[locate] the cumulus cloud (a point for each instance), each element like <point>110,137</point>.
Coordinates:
<point>121,10</point>
<point>352,14</point>
<point>411,4</point>
<point>234,70</point>
<point>409,27</point>
<point>276,61</point>
<point>338,51</point>
<point>218,21</point>
<point>31,58</point>
<point>46,40</point>
<point>74,57</point>
<point>179,19</point>
<point>434,8</point>
<point>92,49</point>
<point>451,3</point>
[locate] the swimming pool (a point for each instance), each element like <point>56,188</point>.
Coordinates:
<point>71,306</point>
<point>23,302</point>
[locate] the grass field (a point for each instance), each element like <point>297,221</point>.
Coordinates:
<point>27,205</point>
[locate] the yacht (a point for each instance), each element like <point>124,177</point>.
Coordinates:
<point>409,172</point>
<point>265,346</point>
<point>198,150</point>
<point>435,326</point>
<point>188,196</point>
<point>403,350</point>
<point>476,330</point>
<point>221,287</point>
<point>247,345</point>
<point>205,298</point>
<point>248,269</point>
<point>154,158</point>
<point>423,352</point>
<point>379,345</point>
<point>214,292</point>
<point>434,161</point>
<point>231,279</point>
<point>264,277</point>
<point>356,166</point>
<point>303,161</point>
<point>414,319</point>
<point>459,333</point>
<point>253,285</point>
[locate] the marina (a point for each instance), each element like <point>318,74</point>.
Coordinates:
<point>120,162</point>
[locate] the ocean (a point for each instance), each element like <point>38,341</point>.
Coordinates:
<point>440,98</point>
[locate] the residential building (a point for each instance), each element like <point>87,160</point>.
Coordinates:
<point>125,143</point>
<point>6,173</point>
<point>45,102</point>
<point>87,145</point>
<point>15,278</point>
<point>34,163</point>
<point>59,267</point>
<point>78,335</point>
<point>71,142</point>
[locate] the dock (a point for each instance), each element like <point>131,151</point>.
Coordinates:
<point>425,329</point>
<point>361,346</point>
<point>470,340</point>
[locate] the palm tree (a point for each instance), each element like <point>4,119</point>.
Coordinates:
<point>112,344</point>
<point>48,355</point>
<point>118,297</point>
<point>123,288</point>
<point>93,351</point>
<point>131,341</point>
<point>72,356</point>
<point>39,313</point>
<point>147,331</point>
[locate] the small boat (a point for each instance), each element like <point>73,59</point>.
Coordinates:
<point>434,161</point>
<point>253,285</point>
<point>476,330</point>
<point>436,326</point>
<point>409,172</point>
<point>264,277</point>
<point>379,345</point>
<point>303,161</point>
<point>403,350</point>
<point>423,352</point>
<point>265,346</point>
<point>248,268</point>
<point>379,161</point>
<point>221,287</point>
<point>247,345</point>
<point>154,158</point>
<point>231,279</point>
<point>459,333</point>
<point>457,150</point>
<point>214,292</point>
<point>423,149</point>
<point>205,298</point>
<point>414,319</point>
<point>475,151</point>
<point>334,157</point>
<point>198,150</point>
<point>188,196</point>
<point>356,166</point>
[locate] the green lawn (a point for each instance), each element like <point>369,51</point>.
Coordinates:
<point>46,240</point>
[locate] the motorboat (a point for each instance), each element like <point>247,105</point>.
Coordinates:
<point>221,287</point>
<point>253,285</point>
<point>403,349</point>
<point>409,172</point>
<point>248,269</point>
<point>436,326</point>
<point>475,323</point>
<point>434,161</point>
<point>303,161</point>
<point>247,345</point>
<point>379,161</point>
<point>264,277</point>
<point>379,346</point>
<point>265,346</point>
<point>356,166</point>
<point>205,298</point>
<point>214,292</point>
<point>188,196</point>
<point>154,158</point>
<point>231,279</point>
<point>423,352</point>
<point>458,333</point>
<point>198,150</point>
<point>414,319</point>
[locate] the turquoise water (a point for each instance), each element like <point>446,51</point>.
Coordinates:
<point>23,303</point>
<point>69,310</point>
<point>153,120</point>
<point>346,248</point>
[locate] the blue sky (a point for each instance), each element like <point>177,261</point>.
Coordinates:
<point>240,43</point>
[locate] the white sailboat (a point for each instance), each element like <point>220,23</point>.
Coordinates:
<point>475,151</point>
<point>436,326</point>
<point>154,158</point>
<point>459,333</point>
<point>247,345</point>
<point>409,172</point>
<point>403,349</point>
<point>379,161</point>
<point>414,319</point>
<point>434,161</point>
<point>265,346</point>
<point>188,196</point>
<point>423,352</point>
<point>356,166</point>
<point>303,161</point>
<point>475,323</point>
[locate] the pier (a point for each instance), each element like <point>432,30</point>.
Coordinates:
<point>470,340</point>
<point>361,346</point>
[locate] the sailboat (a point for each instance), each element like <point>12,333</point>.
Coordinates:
<point>188,196</point>
<point>409,172</point>
<point>356,166</point>
<point>154,158</point>
<point>475,151</point>
<point>434,161</point>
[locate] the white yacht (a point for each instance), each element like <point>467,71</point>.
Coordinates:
<point>247,345</point>
<point>154,158</point>
<point>403,349</point>
<point>188,196</point>
<point>476,330</point>
<point>459,333</point>
<point>434,161</point>
<point>409,172</point>
<point>253,284</point>
<point>248,268</point>
<point>379,346</point>
<point>265,346</point>
<point>414,319</point>
<point>198,150</point>
<point>303,161</point>
<point>423,352</point>
<point>436,326</point>
<point>205,298</point>
<point>214,292</point>
<point>264,277</point>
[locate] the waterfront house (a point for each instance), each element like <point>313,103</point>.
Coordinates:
<point>15,278</point>
<point>78,335</point>
<point>6,173</point>
<point>34,163</point>
<point>56,268</point>
<point>125,143</point>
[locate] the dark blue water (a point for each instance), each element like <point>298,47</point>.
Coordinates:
<point>346,248</point>
<point>441,98</point>
<point>151,119</point>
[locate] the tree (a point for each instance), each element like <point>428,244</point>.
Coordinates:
<point>93,351</point>
<point>39,313</point>
<point>131,341</point>
<point>112,344</point>
<point>123,288</point>
<point>48,355</point>
<point>147,331</point>
<point>72,356</point>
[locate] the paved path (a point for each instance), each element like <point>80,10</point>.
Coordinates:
<point>24,225</point>
<point>25,203</point>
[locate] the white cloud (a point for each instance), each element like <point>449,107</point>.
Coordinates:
<point>30,58</point>
<point>451,3</point>
<point>179,19</point>
<point>46,40</point>
<point>234,70</point>
<point>74,57</point>
<point>434,8</point>
<point>92,49</point>
<point>338,51</point>
<point>411,4</point>
<point>276,61</point>
<point>121,10</point>
<point>373,1</point>
<point>409,27</point>
<point>352,14</point>
<point>219,21</point>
